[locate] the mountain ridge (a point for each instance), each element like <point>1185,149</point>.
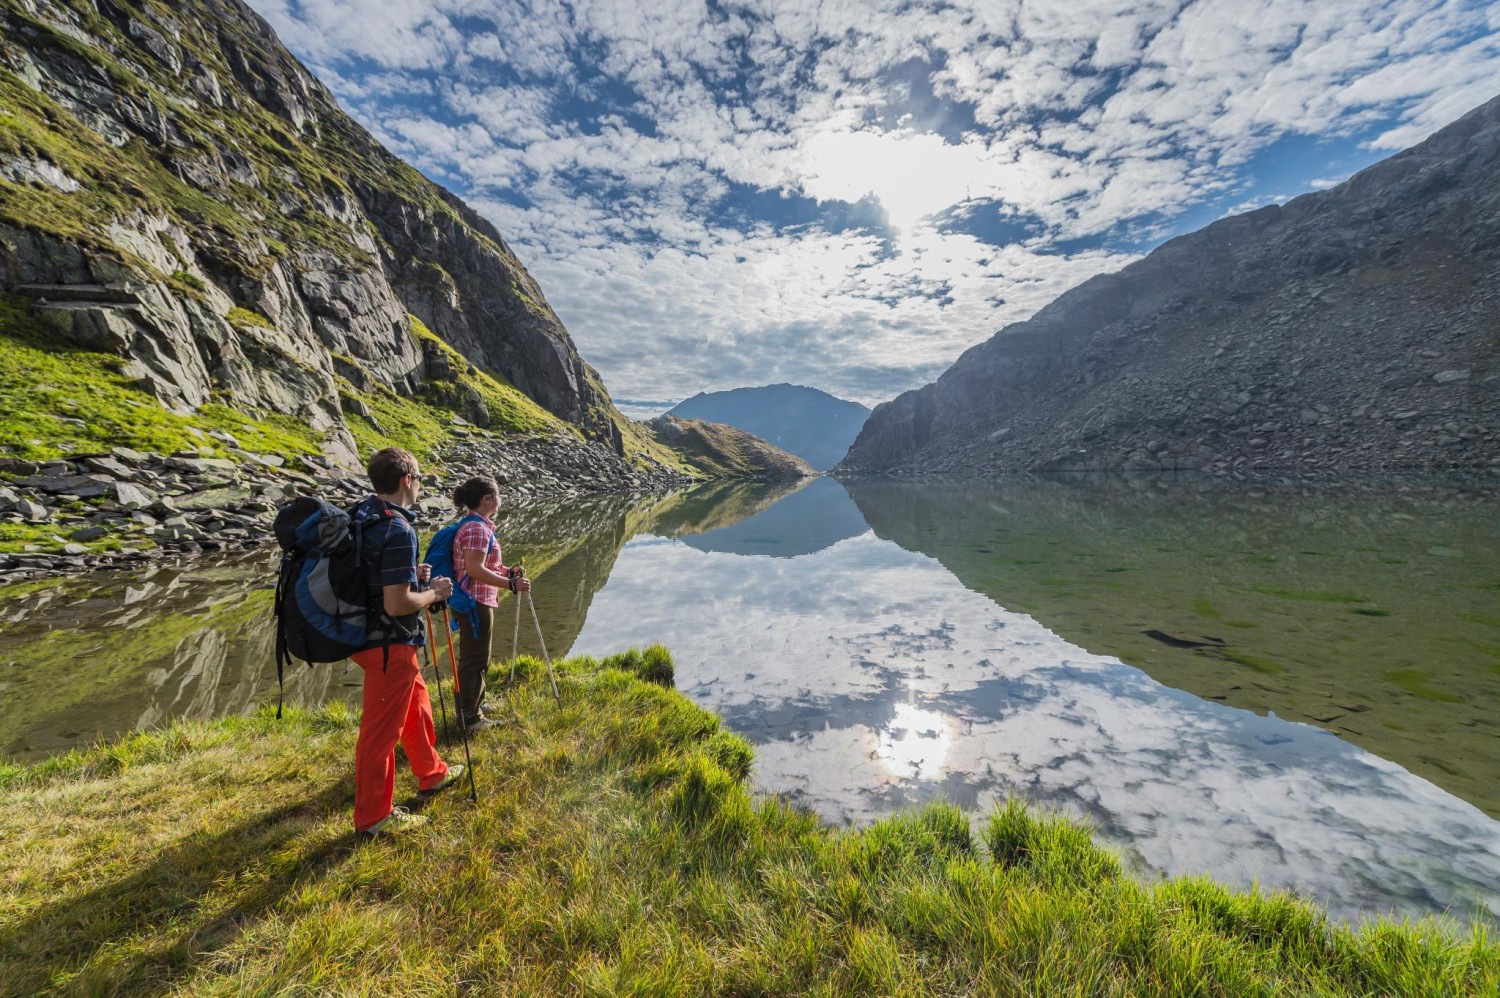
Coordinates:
<point>179,191</point>
<point>1353,328</point>
<point>808,422</point>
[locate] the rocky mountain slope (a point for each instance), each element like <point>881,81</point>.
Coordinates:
<point>726,452</point>
<point>811,424</point>
<point>178,193</point>
<point>1354,328</point>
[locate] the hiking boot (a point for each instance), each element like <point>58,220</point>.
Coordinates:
<point>454,774</point>
<point>480,723</point>
<point>399,820</point>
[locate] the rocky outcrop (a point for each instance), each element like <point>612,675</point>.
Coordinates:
<point>130,506</point>
<point>724,452</point>
<point>179,191</point>
<point>1354,328</point>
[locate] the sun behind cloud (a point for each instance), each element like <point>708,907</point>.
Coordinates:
<point>913,175</point>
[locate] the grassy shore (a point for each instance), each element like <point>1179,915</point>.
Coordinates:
<point>614,849</point>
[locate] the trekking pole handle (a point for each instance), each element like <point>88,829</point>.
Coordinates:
<point>514,573</point>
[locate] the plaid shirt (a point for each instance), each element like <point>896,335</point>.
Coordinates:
<point>476,536</point>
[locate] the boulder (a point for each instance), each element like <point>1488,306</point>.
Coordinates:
<point>131,496</point>
<point>34,512</point>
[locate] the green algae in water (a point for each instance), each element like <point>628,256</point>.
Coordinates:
<point>1239,623</point>
<point>1312,596</point>
<point>1414,681</point>
<point>1205,608</point>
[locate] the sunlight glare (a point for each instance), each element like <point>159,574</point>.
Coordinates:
<point>913,175</point>
<point>916,742</point>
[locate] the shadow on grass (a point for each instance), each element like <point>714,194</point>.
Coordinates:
<point>154,926</point>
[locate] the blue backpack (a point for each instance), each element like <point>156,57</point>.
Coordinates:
<point>322,609</point>
<point>440,557</point>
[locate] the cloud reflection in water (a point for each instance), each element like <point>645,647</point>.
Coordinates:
<point>871,679</point>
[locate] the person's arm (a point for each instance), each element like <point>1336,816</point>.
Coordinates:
<point>401,599</point>
<point>474,565</point>
<point>399,572</point>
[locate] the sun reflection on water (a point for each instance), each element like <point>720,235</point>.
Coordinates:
<point>916,742</point>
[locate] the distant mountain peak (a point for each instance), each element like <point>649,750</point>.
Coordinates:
<point>807,422</point>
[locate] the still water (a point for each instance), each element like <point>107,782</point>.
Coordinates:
<point>1277,684</point>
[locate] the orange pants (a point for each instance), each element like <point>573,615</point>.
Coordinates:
<point>396,709</point>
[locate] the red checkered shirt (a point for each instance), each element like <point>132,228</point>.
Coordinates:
<point>476,536</point>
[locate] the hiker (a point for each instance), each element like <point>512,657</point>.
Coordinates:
<point>396,707</point>
<point>482,574</point>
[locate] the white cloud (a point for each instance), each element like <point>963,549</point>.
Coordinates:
<point>623,125</point>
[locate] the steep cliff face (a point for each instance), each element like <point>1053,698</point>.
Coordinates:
<point>1358,327</point>
<point>176,190</point>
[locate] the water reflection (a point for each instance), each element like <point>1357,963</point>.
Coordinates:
<point>1368,609</point>
<point>969,647</point>
<point>871,679</point>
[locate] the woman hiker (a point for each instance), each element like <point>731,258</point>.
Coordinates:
<point>481,573</point>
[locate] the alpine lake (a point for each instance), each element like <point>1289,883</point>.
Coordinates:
<point>1281,684</point>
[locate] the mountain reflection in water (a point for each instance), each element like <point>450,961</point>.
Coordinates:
<point>968,647</point>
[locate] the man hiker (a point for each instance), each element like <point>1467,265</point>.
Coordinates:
<point>482,574</point>
<point>396,707</point>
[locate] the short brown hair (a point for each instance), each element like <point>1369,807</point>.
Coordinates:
<point>387,468</point>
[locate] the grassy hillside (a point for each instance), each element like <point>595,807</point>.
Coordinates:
<point>613,850</point>
<point>720,451</point>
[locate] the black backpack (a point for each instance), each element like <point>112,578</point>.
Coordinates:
<point>323,611</point>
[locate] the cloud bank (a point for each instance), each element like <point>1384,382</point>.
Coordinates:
<point>849,194</point>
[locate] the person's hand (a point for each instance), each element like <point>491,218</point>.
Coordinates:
<point>442,586</point>
<point>424,574</point>
<point>523,585</point>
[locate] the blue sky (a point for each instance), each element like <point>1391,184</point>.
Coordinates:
<point>849,194</point>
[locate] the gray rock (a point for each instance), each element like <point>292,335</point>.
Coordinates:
<point>133,457</point>
<point>90,534</point>
<point>33,512</point>
<point>132,496</point>
<point>1448,377</point>
<point>77,486</point>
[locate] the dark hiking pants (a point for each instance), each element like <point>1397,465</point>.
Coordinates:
<point>473,660</point>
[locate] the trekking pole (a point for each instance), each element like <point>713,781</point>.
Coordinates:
<point>517,571</point>
<point>437,681</point>
<point>541,641</point>
<point>458,704</point>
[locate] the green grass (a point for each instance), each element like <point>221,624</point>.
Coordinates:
<point>52,537</point>
<point>55,400</point>
<point>1206,609</point>
<point>424,424</point>
<point>509,410</point>
<point>1414,681</point>
<point>614,850</point>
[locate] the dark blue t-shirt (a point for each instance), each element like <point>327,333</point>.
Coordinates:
<point>389,551</point>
